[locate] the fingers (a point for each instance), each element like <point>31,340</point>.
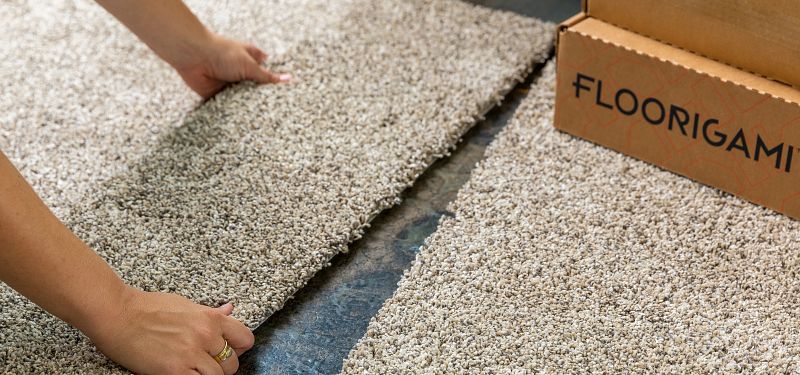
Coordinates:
<point>242,340</point>
<point>214,340</point>
<point>260,74</point>
<point>256,53</point>
<point>226,309</point>
<point>208,366</point>
<point>229,365</point>
<point>234,62</point>
<point>239,337</point>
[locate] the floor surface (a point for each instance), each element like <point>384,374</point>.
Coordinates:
<point>316,330</point>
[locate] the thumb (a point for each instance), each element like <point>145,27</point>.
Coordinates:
<point>261,74</point>
<point>226,309</point>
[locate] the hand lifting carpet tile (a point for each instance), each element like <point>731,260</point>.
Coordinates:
<point>566,257</point>
<point>246,196</point>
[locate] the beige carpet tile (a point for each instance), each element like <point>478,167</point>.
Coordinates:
<point>566,257</point>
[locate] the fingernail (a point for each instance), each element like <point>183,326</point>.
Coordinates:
<point>285,77</point>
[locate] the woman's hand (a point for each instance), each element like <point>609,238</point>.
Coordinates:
<point>158,333</point>
<point>152,333</point>
<point>206,61</point>
<point>220,61</point>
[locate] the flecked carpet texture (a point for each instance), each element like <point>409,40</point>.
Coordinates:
<point>566,257</point>
<point>245,197</point>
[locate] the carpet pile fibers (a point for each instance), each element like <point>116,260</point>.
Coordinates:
<point>246,196</point>
<point>566,257</point>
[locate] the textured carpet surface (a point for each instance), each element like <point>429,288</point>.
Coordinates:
<point>565,257</point>
<point>246,196</point>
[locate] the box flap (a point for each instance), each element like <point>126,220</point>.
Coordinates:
<point>762,36</point>
<point>600,30</point>
<point>569,22</point>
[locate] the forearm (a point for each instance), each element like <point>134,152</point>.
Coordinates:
<point>168,27</point>
<point>43,260</point>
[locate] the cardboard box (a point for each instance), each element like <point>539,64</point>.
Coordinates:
<point>758,36</point>
<point>709,121</point>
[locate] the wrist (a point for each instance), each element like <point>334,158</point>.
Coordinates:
<point>101,319</point>
<point>190,51</point>
<point>169,28</point>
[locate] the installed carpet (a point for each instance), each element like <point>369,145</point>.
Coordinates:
<point>245,197</point>
<point>566,257</point>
